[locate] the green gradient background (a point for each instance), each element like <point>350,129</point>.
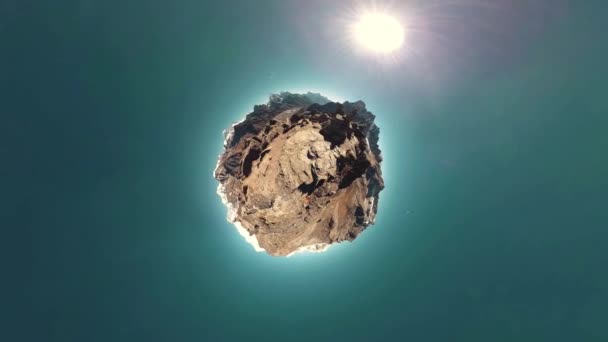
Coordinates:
<point>492,226</point>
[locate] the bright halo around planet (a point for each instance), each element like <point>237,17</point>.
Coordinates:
<point>379,33</point>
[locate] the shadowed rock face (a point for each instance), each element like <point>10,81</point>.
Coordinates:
<point>302,173</point>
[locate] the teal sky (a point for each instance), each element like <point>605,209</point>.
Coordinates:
<point>492,226</point>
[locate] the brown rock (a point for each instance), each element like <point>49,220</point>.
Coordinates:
<point>301,173</point>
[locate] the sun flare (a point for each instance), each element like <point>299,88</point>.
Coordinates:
<point>379,32</point>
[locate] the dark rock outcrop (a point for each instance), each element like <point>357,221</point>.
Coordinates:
<point>301,173</point>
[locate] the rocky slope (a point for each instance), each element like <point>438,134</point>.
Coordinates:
<point>301,173</point>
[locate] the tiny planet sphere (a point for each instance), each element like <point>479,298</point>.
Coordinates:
<point>301,173</point>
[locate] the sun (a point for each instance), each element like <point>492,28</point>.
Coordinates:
<point>378,32</point>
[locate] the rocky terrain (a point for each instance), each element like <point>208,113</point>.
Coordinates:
<point>301,173</point>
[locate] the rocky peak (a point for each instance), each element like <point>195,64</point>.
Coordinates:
<point>302,172</point>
